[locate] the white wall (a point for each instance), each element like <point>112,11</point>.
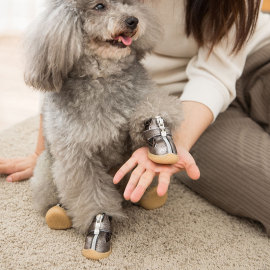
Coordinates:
<point>15,15</point>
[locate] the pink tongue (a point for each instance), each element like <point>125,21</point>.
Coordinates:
<point>125,40</point>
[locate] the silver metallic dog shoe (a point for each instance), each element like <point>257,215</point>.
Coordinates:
<point>98,240</point>
<point>160,142</point>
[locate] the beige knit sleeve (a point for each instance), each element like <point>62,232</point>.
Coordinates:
<point>212,77</point>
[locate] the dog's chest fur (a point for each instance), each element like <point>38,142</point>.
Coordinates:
<point>92,115</point>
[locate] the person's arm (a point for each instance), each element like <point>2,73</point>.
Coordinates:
<point>19,169</point>
<point>197,117</point>
<point>40,143</point>
<point>212,75</point>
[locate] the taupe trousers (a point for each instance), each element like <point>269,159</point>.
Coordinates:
<point>234,153</point>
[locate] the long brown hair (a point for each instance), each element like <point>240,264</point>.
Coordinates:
<point>208,21</point>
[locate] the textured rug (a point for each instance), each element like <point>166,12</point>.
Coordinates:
<point>186,233</point>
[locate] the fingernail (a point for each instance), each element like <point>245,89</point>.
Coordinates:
<point>9,179</point>
<point>126,197</point>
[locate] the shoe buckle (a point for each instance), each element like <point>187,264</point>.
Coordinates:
<point>160,123</point>
<point>163,133</point>
<point>99,218</point>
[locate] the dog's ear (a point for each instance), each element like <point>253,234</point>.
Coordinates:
<point>53,44</point>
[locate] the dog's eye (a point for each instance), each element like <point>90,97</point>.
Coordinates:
<point>99,7</point>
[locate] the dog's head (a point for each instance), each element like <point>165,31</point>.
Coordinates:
<point>110,29</point>
<point>115,28</point>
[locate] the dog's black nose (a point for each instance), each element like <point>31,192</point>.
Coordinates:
<point>132,22</point>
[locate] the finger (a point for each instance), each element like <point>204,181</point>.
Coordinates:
<point>163,183</point>
<point>8,161</point>
<point>193,171</point>
<point>133,181</point>
<point>14,166</point>
<point>191,167</point>
<point>128,166</point>
<point>7,168</point>
<point>143,184</point>
<point>19,176</point>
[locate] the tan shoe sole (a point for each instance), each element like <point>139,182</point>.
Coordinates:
<point>163,159</point>
<point>150,200</point>
<point>94,255</point>
<point>57,219</point>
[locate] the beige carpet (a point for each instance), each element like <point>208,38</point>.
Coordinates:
<point>187,233</point>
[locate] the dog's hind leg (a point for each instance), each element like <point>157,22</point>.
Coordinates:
<point>86,190</point>
<point>42,185</point>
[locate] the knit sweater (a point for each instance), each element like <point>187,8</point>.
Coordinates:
<point>180,67</point>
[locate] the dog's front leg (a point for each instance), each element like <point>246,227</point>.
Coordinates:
<point>85,190</point>
<point>155,103</point>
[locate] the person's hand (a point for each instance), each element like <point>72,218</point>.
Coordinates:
<point>146,170</point>
<point>18,169</point>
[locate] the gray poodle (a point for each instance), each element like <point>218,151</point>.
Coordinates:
<point>86,55</point>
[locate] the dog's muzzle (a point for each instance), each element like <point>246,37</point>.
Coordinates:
<point>132,23</point>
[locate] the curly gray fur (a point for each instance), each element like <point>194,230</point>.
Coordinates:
<point>42,184</point>
<point>93,91</point>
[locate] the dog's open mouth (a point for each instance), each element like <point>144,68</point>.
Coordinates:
<point>121,41</point>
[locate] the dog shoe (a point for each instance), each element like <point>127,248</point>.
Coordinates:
<point>160,142</point>
<point>98,240</point>
<point>57,219</point>
<point>150,200</point>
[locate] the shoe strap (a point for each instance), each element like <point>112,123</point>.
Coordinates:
<point>151,133</point>
<point>99,231</point>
